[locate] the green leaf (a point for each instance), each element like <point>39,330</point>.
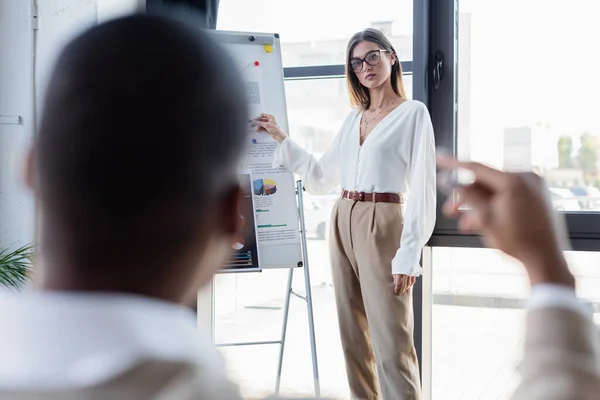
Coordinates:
<point>15,266</point>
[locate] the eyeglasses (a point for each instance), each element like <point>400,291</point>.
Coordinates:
<point>372,58</point>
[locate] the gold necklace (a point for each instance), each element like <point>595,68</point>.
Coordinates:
<point>384,106</point>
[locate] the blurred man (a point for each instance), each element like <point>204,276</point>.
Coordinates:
<point>561,359</point>
<point>135,170</point>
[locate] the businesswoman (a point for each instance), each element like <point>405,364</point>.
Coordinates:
<point>383,156</point>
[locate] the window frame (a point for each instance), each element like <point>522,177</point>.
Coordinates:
<point>329,71</point>
<point>583,227</point>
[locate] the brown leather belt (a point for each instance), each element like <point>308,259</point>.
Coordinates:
<point>374,197</point>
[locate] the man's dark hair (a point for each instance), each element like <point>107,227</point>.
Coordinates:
<point>142,130</point>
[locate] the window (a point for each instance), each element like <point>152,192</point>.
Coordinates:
<point>525,101</point>
<point>479,296</point>
<point>477,322</point>
<point>521,99</point>
<point>513,94</point>
<point>310,34</point>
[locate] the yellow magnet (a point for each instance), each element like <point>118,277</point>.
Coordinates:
<point>268,48</point>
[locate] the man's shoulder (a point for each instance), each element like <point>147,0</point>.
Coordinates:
<point>176,379</point>
<point>151,379</point>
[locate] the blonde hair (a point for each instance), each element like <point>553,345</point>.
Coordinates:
<point>359,95</point>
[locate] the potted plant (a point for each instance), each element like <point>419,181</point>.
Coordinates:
<point>15,266</point>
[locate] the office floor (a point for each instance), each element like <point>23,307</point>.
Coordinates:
<point>474,350</point>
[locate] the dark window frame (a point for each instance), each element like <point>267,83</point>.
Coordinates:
<point>329,71</point>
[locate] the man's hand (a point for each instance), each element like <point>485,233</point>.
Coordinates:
<point>403,282</point>
<point>515,215</point>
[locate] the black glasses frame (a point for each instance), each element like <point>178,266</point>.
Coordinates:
<point>364,60</point>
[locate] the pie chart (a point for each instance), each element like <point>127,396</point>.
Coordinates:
<point>238,244</point>
<point>265,187</point>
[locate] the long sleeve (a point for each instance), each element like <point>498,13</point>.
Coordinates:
<point>419,219</point>
<point>557,296</point>
<point>319,176</point>
<point>561,358</point>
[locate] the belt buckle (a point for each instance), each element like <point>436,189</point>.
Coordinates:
<point>361,196</point>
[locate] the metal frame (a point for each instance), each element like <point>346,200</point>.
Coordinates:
<point>329,71</point>
<point>288,294</point>
<point>420,66</point>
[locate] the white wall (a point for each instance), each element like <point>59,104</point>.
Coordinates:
<point>108,9</point>
<point>23,81</point>
<point>16,99</point>
<point>61,20</point>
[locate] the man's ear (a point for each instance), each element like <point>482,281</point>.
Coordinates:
<point>232,210</point>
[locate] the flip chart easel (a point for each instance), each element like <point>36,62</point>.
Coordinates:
<point>289,292</point>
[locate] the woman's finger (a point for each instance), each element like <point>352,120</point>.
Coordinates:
<point>263,116</point>
<point>259,126</point>
<point>397,279</point>
<point>404,283</point>
<point>264,126</point>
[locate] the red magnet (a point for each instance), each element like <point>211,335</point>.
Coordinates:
<point>256,63</point>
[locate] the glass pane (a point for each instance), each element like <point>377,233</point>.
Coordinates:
<point>249,306</point>
<point>479,299</point>
<point>316,32</point>
<point>526,99</point>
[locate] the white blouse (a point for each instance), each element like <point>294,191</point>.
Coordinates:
<point>398,156</point>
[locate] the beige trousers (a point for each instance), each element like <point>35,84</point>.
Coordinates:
<point>376,325</point>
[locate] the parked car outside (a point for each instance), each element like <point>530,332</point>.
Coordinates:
<point>588,197</point>
<point>564,200</point>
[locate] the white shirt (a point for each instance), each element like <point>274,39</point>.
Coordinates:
<point>398,156</point>
<point>67,340</point>
<point>70,340</point>
<point>550,296</point>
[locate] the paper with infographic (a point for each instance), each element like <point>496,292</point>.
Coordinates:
<point>274,188</point>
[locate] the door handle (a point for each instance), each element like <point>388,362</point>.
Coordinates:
<point>438,69</point>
